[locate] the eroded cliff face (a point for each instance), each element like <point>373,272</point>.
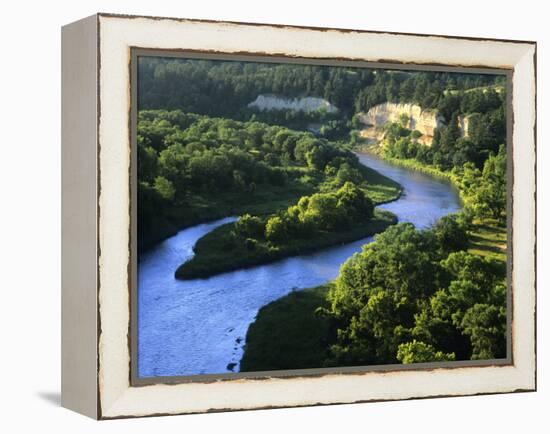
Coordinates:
<point>304,104</point>
<point>425,121</point>
<point>464,124</point>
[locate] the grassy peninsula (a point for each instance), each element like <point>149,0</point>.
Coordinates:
<point>339,212</point>
<point>223,250</point>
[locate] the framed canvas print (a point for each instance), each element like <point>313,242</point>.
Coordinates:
<point>261,216</point>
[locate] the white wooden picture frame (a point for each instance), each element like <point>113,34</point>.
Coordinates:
<point>97,220</point>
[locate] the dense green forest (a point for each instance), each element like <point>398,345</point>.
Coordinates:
<point>194,168</point>
<point>222,88</point>
<point>419,296</point>
<point>225,88</point>
<point>412,295</point>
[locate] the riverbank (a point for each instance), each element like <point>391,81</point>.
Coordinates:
<point>198,209</point>
<point>289,334</point>
<point>213,257</point>
<point>411,164</point>
<point>488,237</point>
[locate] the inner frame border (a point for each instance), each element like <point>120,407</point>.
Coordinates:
<point>136,52</point>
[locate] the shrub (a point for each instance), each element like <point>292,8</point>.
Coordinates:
<point>249,227</point>
<point>418,352</point>
<point>275,229</point>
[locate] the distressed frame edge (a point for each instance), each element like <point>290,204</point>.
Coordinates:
<point>302,27</point>
<point>418,397</point>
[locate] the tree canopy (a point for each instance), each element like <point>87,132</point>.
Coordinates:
<point>411,296</point>
<point>187,160</point>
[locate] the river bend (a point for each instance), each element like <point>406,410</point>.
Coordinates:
<point>199,326</point>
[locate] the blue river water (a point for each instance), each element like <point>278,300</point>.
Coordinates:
<point>199,326</point>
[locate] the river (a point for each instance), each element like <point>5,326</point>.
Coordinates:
<point>199,326</point>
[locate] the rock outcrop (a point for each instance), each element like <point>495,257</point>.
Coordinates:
<point>425,121</point>
<point>304,104</point>
<point>464,124</point>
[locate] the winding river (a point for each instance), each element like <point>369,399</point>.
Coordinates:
<point>199,326</point>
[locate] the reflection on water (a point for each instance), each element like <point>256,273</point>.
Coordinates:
<point>198,326</point>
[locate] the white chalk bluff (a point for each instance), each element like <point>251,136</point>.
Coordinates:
<point>305,104</point>
<point>424,121</point>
